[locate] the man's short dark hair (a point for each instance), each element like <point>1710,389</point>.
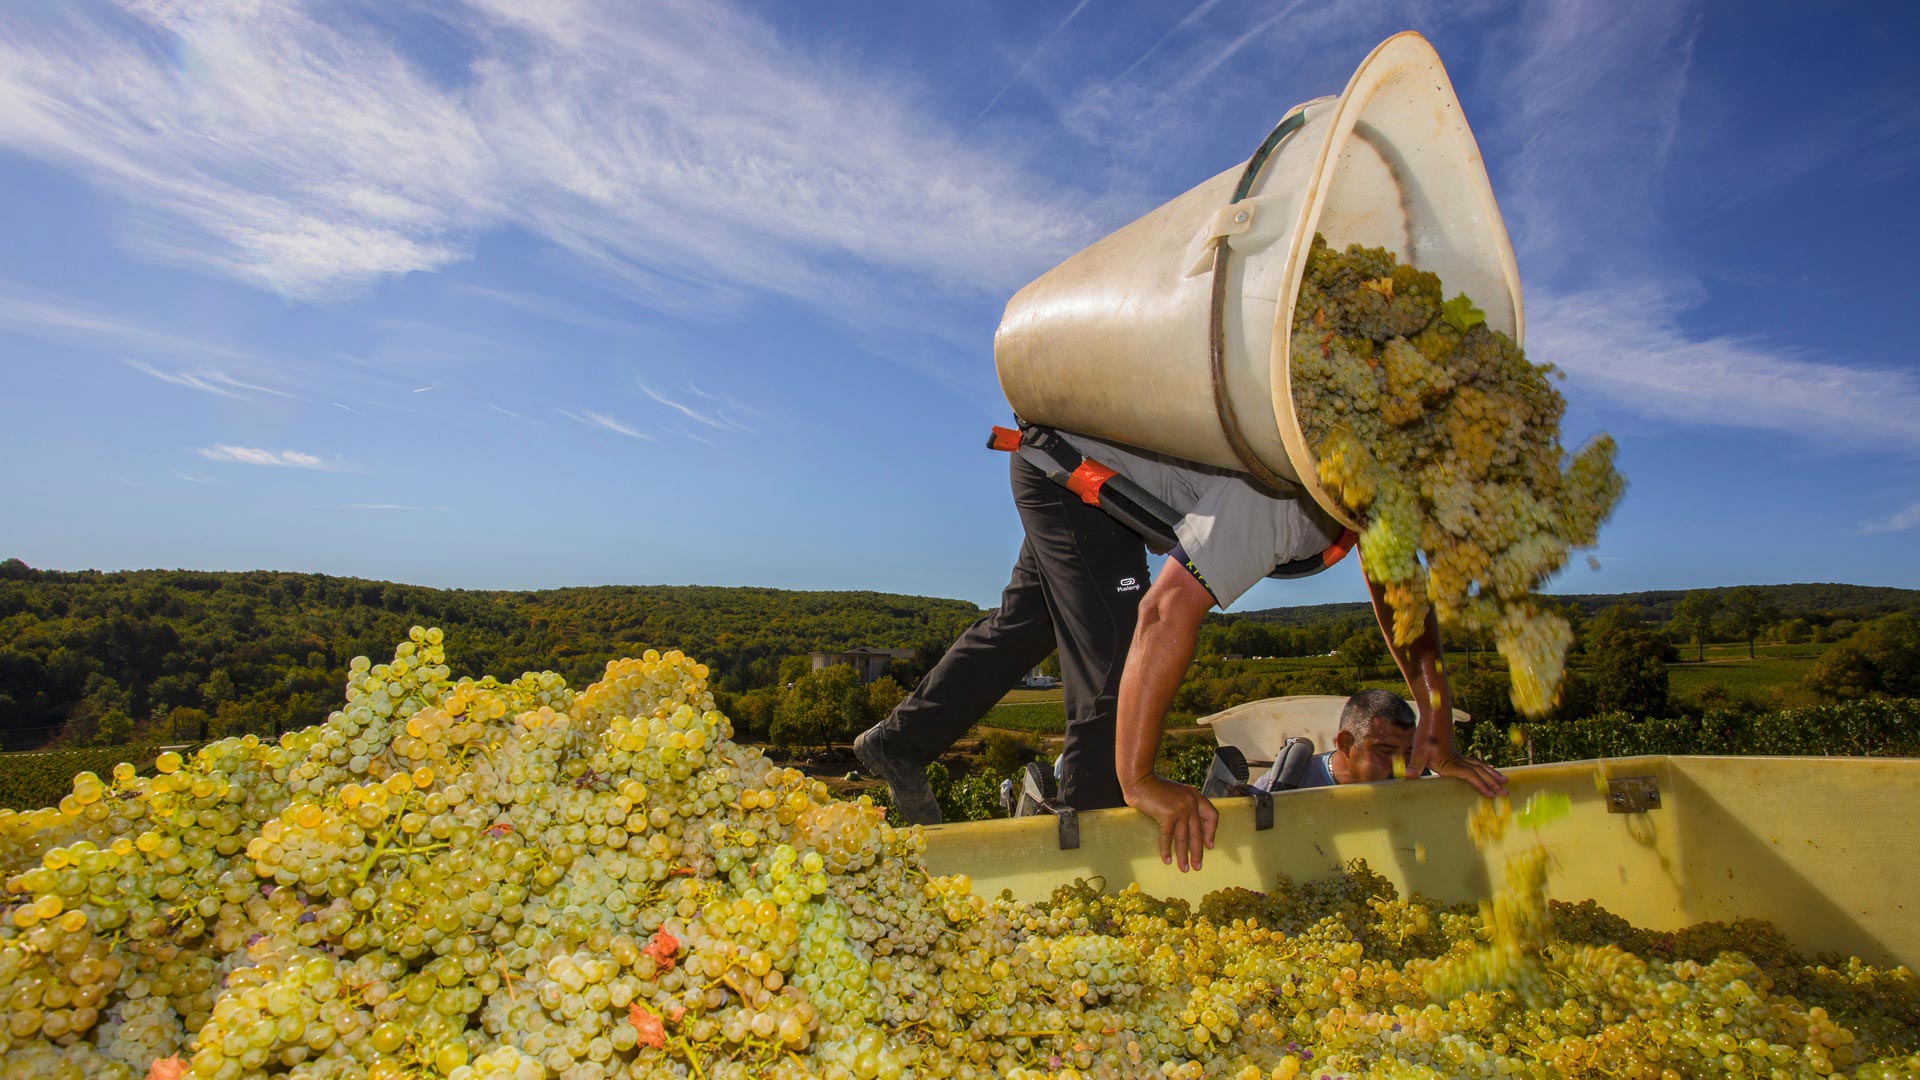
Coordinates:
<point>1369,707</point>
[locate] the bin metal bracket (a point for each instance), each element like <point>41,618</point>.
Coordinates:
<point>1066,818</point>
<point>1633,795</point>
<point>1262,806</point>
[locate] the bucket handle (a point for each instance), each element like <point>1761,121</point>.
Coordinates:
<point>1216,322</point>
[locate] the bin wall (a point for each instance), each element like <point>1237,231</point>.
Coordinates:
<point>1821,846</point>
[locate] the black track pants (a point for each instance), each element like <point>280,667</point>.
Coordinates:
<point>1077,583</point>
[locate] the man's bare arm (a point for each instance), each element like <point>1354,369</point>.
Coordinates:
<point>1420,665</point>
<point>1163,642</point>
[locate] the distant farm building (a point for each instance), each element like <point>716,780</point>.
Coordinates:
<point>869,663</point>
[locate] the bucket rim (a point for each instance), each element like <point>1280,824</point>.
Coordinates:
<point>1408,49</point>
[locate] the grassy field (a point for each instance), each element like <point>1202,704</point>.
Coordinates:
<point>1042,716</point>
<point>1755,678</point>
<point>1027,697</point>
<point>1039,717</point>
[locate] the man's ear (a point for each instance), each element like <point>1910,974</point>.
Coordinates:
<point>1343,741</point>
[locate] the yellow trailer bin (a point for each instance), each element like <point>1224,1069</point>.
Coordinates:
<point>1828,849</point>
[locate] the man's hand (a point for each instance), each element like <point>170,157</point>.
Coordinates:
<point>1185,817</point>
<point>1442,758</point>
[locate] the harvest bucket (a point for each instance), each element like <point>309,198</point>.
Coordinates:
<point>1172,334</point>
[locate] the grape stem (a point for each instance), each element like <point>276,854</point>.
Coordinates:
<point>381,848</point>
<point>693,1062</point>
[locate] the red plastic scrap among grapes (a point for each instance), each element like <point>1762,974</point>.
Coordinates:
<point>651,1030</point>
<point>663,947</point>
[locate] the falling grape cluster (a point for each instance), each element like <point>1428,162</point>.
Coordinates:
<point>1436,431</point>
<point>484,880</point>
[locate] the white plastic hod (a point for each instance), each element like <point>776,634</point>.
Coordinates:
<point>1258,729</point>
<point>1115,341</point>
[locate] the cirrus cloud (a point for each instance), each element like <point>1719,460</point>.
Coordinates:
<point>681,150</point>
<point>285,459</point>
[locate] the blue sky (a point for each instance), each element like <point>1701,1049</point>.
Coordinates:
<point>514,294</point>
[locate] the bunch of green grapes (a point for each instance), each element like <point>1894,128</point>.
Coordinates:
<point>1436,431</point>
<point>481,880</point>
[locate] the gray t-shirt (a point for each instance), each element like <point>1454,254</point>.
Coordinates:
<point>1233,532</point>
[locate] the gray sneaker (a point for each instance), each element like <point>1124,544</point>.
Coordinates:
<point>911,795</point>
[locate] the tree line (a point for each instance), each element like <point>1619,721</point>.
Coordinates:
<point>1623,645</point>
<point>91,658</point>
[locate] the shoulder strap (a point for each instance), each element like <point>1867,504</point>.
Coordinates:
<point>1125,501</point>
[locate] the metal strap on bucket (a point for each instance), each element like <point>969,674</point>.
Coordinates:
<point>1216,328</point>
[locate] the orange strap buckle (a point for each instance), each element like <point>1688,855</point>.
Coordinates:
<point>1004,439</point>
<point>1339,548</point>
<point>1085,481</point>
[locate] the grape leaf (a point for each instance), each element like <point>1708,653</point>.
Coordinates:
<point>1460,313</point>
<point>1543,808</point>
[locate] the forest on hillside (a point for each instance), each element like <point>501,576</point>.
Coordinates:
<point>1819,603</point>
<point>89,657</point>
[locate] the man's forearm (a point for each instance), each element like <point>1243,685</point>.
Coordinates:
<point>1420,664</point>
<point>1156,662</point>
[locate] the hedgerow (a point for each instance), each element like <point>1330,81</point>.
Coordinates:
<point>1875,728</point>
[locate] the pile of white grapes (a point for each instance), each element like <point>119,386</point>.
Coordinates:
<point>1436,432</point>
<point>475,879</point>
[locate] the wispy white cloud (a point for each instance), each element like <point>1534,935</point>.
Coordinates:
<point>1163,109</point>
<point>689,412</point>
<point>348,408</point>
<point>1629,345</point>
<point>657,144</point>
<point>287,459</point>
<point>1590,98</point>
<point>1898,521</point>
<point>1031,57</point>
<point>733,403</point>
<point>551,309</point>
<point>1187,21</point>
<point>601,420</point>
<point>510,413</point>
<point>191,478</point>
<point>1591,110</point>
<point>207,381</point>
<point>50,318</point>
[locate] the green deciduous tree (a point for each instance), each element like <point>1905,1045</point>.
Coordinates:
<point>883,694</point>
<point>814,710</point>
<point>753,713</point>
<point>1002,753</point>
<point>185,724</point>
<point>792,668</point>
<point>115,729</point>
<point>1486,696</point>
<point>1752,611</point>
<point>217,690</point>
<point>1693,616</point>
<point>1363,650</point>
<point>1882,658</point>
<point>1628,664</point>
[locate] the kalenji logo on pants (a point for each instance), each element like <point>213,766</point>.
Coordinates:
<point>1128,584</point>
